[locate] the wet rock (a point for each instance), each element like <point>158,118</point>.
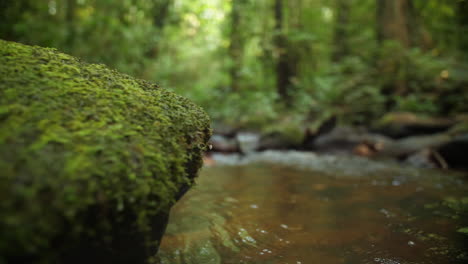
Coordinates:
<point>277,140</point>
<point>287,133</point>
<point>367,149</point>
<point>224,130</point>
<point>248,141</point>
<point>313,131</point>
<point>386,261</point>
<point>426,158</point>
<point>220,143</point>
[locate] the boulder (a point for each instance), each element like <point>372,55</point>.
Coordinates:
<point>276,140</point>
<point>426,158</point>
<point>91,160</point>
<point>220,143</point>
<point>224,129</point>
<point>286,133</point>
<point>248,141</point>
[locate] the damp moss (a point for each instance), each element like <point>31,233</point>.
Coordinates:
<point>75,136</point>
<point>289,131</point>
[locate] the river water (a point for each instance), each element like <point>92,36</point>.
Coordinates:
<point>288,207</point>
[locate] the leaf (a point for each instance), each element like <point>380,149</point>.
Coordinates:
<point>463,230</point>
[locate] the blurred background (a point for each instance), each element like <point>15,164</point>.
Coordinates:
<point>267,64</point>
<point>376,78</point>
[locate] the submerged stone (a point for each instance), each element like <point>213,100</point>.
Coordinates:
<point>91,160</point>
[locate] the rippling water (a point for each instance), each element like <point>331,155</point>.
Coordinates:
<point>271,213</point>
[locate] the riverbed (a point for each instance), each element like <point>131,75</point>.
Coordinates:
<point>293,207</point>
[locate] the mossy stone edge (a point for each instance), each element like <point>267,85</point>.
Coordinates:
<point>84,149</point>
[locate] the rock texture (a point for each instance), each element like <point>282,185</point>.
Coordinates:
<point>91,160</point>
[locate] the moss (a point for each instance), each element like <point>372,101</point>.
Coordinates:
<point>454,208</point>
<point>75,136</point>
<point>290,131</point>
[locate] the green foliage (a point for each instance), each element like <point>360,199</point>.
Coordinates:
<point>120,33</point>
<point>434,83</point>
<point>440,18</point>
<point>189,47</point>
<point>75,136</point>
<point>348,91</point>
<point>243,109</point>
<point>463,230</point>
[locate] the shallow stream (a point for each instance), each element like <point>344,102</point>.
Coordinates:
<point>289,207</point>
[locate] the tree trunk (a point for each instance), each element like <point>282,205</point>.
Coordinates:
<point>462,14</point>
<point>236,46</point>
<point>11,12</point>
<point>161,11</point>
<point>399,21</point>
<point>286,64</point>
<point>419,35</point>
<point>393,24</point>
<point>70,20</point>
<point>341,34</point>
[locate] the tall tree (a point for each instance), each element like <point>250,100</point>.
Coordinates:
<point>236,44</point>
<point>70,20</point>
<point>394,24</point>
<point>462,15</point>
<point>11,13</point>
<point>400,21</point>
<point>287,60</point>
<point>341,32</point>
<point>161,13</point>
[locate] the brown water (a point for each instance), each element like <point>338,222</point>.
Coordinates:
<point>277,214</point>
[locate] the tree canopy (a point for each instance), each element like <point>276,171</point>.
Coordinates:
<point>251,62</point>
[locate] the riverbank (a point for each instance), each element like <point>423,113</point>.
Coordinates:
<point>404,138</point>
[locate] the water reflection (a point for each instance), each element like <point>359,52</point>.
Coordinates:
<point>275,214</point>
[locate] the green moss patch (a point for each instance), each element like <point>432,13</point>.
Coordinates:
<point>75,136</point>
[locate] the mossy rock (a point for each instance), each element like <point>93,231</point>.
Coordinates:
<point>288,132</point>
<point>87,153</point>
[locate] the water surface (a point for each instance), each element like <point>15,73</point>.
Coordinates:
<point>270,212</point>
